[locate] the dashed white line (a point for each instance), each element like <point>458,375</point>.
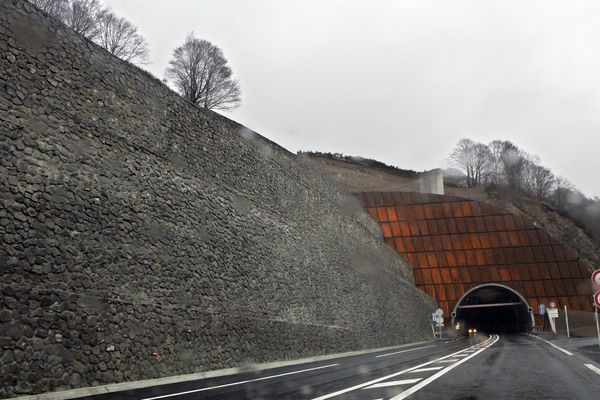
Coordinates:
<point>426,369</point>
<point>383,378</point>
<point>240,382</point>
<point>432,378</point>
<point>402,351</point>
<point>450,360</point>
<point>393,383</point>
<point>593,368</point>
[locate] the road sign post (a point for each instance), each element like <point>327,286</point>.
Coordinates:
<point>597,306</point>
<point>552,312</point>
<point>439,320</point>
<point>567,323</point>
<point>596,283</point>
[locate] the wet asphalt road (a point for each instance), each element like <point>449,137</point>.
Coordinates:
<point>518,367</point>
<point>494,367</point>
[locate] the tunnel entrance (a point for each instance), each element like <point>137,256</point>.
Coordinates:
<point>493,308</point>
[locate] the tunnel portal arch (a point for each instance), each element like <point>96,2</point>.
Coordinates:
<point>493,308</point>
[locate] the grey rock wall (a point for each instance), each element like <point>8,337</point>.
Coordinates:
<point>141,236</point>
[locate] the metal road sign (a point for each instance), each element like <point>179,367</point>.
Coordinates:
<point>596,277</point>
<point>597,299</point>
<point>552,312</point>
<point>439,312</point>
<point>552,304</point>
<point>440,320</point>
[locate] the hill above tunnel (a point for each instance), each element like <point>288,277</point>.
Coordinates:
<point>142,236</point>
<point>373,176</point>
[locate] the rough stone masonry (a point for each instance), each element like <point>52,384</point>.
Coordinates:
<point>141,236</point>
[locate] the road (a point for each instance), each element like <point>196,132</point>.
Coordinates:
<point>484,367</point>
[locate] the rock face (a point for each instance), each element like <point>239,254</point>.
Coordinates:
<point>141,236</point>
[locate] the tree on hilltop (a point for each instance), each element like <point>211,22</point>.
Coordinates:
<point>121,38</point>
<point>201,74</point>
<point>90,19</point>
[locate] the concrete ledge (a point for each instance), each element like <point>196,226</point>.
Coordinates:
<point>117,387</point>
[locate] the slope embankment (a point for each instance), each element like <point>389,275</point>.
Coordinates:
<point>141,236</point>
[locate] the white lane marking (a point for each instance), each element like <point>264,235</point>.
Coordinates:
<point>450,360</point>
<point>556,347</point>
<point>593,368</point>
<point>432,378</point>
<point>239,383</point>
<point>393,383</point>
<point>402,351</point>
<point>383,378</point>
<point>426,369</point>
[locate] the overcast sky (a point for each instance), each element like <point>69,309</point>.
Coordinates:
<point>403,81</point>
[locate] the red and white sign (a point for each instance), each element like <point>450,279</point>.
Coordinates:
<point>552,304</point>
<point>597,299</point>
<point>596,278</point>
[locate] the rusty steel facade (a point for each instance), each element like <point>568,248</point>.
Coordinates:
<point>455,244</point>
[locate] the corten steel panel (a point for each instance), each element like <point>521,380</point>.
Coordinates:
<point>455,244</point>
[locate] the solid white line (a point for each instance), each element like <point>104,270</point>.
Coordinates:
<point>556,347</point>
<point>432,378</point>
<point>240,382</point>
<point>450,360</point>
<point>426,369</point>
<point>593,368</point>
<point>402,351</point>
<point>383,378</point>
<point>393,383</point>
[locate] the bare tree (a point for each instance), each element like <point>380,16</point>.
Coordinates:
<point>472,158</point>
<point>200,72</point>
<point>562,190</point>
<point>494,166</point>
<point>542,180</point>
<point>54,8</point>
<point>90,19</point>
<point>82,16</point>
<point>513,163</point>
<point>121,38</point>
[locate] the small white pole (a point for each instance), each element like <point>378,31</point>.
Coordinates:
<point>597,326</point>
<point>567,322</point>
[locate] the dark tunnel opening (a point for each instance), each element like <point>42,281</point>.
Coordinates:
<point>493,309</point>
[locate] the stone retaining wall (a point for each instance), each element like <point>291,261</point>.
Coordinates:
<point>141,236</point>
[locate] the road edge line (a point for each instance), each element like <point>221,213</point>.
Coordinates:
<point>593,368</point>
<point>555,346</point>
<point>383,378</point>
<point>166,380</point>
<point>263,378</point>
<point>432,378</point>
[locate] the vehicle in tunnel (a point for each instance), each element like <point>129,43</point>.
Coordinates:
<point>492,308</point>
